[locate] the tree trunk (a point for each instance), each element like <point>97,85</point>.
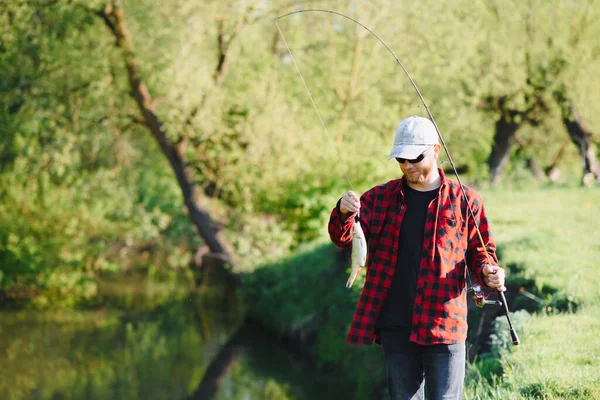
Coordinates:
<point>210,232</point>
<point>552,171</point>
<point>582,138</point>
<point>503,141</point>
<point>530,160</point>
<point>579,135</point>
<point>221,366</point>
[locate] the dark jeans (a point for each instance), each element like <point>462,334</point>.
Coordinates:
<point>413,370</point>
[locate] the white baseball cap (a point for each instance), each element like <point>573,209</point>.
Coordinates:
<point>414,135</point>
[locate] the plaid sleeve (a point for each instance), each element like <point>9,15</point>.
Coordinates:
<point>476,255</point>
<point>340,225</point>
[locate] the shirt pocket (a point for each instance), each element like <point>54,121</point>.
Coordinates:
<point>450,233</point>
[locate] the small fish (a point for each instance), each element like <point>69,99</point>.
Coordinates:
<point>359,253</point>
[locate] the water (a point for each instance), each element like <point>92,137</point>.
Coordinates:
<point>151,340</point>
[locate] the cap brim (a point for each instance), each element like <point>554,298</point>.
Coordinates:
<point>408,151</point>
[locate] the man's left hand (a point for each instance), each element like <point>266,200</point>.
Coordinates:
<point>493,277</point>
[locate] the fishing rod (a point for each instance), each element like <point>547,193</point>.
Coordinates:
<point>476,290</point>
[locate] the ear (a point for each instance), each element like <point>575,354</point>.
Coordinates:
<point>436,151</point>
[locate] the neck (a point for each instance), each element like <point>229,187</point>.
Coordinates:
<point>431,182</point>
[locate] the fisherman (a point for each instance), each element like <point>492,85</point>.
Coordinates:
<point>420,239</point>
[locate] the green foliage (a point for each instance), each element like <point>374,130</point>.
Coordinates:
<point>56,242</point>
<point>80,194</point>
<point>288,279</point>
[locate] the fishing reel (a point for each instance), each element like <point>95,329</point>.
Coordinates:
<point>480,298</point>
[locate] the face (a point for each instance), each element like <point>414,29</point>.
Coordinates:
<point>418,173</point>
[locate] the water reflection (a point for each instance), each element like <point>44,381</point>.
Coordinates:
<point>141,342</point>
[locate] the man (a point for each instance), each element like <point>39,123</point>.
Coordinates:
<point>421,239</point>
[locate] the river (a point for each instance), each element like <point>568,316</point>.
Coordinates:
<point>144,339</point>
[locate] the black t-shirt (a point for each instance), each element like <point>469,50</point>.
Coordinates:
<point>398,306</point>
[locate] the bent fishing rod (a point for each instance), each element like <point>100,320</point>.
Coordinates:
<point>477,292</point>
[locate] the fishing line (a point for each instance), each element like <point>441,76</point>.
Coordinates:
<point>472,214</point>
<point>313,103</point>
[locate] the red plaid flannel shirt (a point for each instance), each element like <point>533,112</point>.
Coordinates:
<point>449,245</point>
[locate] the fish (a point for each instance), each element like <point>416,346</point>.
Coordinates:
<point>359,252</point>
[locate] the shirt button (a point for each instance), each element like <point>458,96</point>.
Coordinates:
<point>402,207</point>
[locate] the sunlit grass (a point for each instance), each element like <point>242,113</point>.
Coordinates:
<point>551,235</point>
<point>559,357</point>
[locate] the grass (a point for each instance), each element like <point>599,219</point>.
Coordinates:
<point>560,357</point>
<point>551,236</point>
<point>548,238</point>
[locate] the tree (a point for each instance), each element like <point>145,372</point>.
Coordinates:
<point>113,16</point>
<point>553,45</point>
<point>580,135</point>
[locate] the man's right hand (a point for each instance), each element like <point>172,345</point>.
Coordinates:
<point>350,203</point>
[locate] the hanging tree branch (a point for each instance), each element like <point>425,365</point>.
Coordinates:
<point>113,17</point>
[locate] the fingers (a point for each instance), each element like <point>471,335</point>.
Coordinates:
<point>493,277</point>
<point>350,203</point>
<point>489,269</point>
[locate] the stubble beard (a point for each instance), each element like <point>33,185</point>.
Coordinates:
<point>419,180</point>
<point>421,177</point>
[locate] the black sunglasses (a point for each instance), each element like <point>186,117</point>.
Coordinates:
<point>413,161</point>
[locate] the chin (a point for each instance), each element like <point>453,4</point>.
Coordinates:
<point>419,180</point>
